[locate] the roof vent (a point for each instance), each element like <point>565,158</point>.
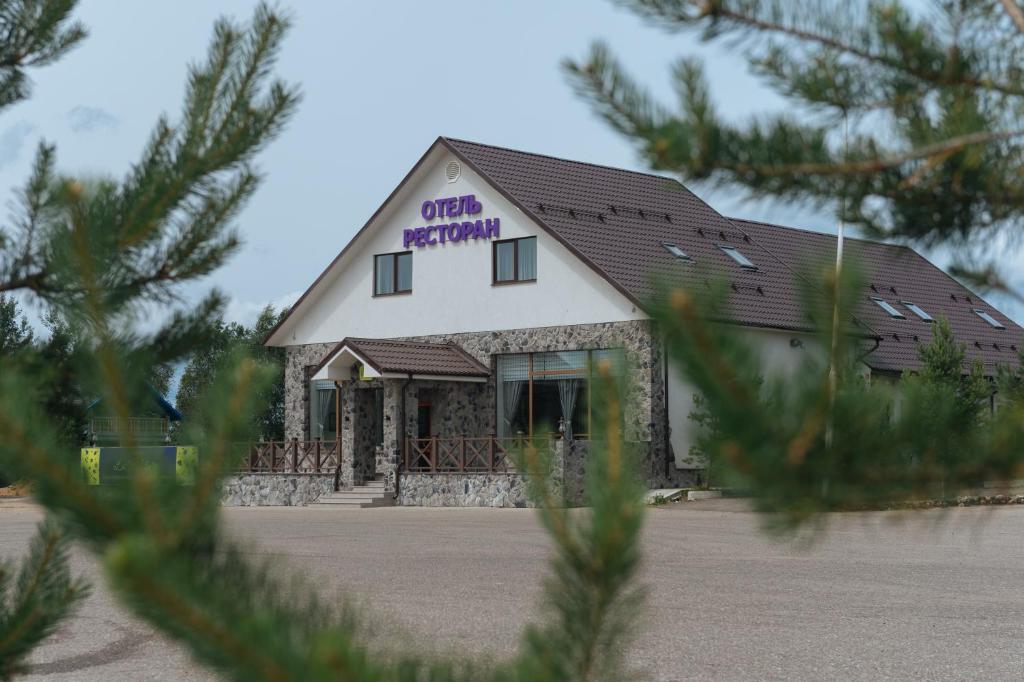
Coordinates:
<point>453,171</point>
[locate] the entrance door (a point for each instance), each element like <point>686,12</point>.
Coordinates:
<point>423,420</point>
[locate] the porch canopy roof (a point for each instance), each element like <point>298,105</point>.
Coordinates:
<point>390,359</point>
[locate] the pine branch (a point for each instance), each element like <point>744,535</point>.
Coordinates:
<point>1015,13</point>
<point>44,595</point>
<point>33,33</point>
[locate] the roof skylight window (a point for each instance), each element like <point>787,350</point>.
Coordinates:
<point>887,307</point>
<point>988,318</point>
<point>735,254</point>
<point>918,310</point>
<point>676,251</point>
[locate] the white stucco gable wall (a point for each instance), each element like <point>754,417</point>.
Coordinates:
<point>451,286</point>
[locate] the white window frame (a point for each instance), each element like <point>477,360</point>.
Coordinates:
<point>985,315</point>
<point>677,252</point>
<point>888,308</point>
<point>917,310</point>
<point>738,256</point>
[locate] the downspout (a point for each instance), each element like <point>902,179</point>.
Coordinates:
<point>667,428</point>
<point>869,351</point>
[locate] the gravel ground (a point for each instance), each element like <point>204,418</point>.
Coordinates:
<point>924,595</point>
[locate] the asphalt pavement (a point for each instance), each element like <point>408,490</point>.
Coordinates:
<point>925,595</point>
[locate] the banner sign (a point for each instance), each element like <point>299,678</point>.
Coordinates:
<point>458,231</point>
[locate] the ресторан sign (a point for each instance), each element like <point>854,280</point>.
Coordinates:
<point>451,207</point>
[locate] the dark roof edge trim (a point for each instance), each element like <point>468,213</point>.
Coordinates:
<point>352,241</point>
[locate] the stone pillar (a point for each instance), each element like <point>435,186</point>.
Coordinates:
<point>394,435</point>
<point>556,481</point>
<point>348,441</point>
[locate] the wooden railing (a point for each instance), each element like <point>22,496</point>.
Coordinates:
<point>485,454</point>
<point>138,426</point>
<point>289,457</point>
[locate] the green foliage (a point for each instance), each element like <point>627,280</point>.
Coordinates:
<point>933,97</point>
<point>1010,384</point>
<point>36,33</point>
<point>591,597</point>
<point>944,367</point>
<point>99,254</point>
<point>206,361</point>
<point>802,449</point>
<point>33,603</point>
<point>15,332</point>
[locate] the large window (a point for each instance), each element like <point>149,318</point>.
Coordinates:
<point>323,414</point>
<point>515,260</point>
<point>392,273</point>
<point>538,392</point>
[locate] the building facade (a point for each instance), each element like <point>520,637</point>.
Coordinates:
<point>471,311</point>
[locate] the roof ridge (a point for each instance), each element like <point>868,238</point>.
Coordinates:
<point>565,160</point>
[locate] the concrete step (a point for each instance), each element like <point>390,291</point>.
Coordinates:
<point>355,495</point>
<point>355,502</point>
<point>370,494</point>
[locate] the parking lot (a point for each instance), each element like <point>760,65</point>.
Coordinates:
<point>934,596</point>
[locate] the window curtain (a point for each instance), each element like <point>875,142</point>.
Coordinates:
<point>405,272</point>
<point>506,259</point>
<point>385,283</point>
<point>527,259</point>
<point>511,392</point>
<point>324,400</point>
<point>568,389</point>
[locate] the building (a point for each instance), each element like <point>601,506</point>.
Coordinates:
<point>471,308</point>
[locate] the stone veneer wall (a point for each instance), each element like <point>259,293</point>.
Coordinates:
<point>463,490</point>
<point>473,414</point>
<point>275,490</point>
<point>296,386</point>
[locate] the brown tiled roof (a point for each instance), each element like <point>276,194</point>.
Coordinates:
<point>410,357</point>
<point>895,274</point>
<point>616,221</point>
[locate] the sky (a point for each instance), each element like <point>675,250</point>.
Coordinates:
<point>381,80</point>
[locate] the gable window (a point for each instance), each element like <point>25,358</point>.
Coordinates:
<point>515,260</point>
<point>392,273</point>
<point>735,254</point>
<point>887,307</point>
<point>677,252</point>
<point>988,318</point>
<point>918,310</point>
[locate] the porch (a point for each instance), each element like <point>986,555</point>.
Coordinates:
<point>387,394</point>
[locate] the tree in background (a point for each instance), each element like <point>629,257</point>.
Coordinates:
<point>102,258</point>
<point>945,364</point>
<point>933,96</point>
<point>15,332</point>
<point>205,363</point>
<point>35,33</point>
